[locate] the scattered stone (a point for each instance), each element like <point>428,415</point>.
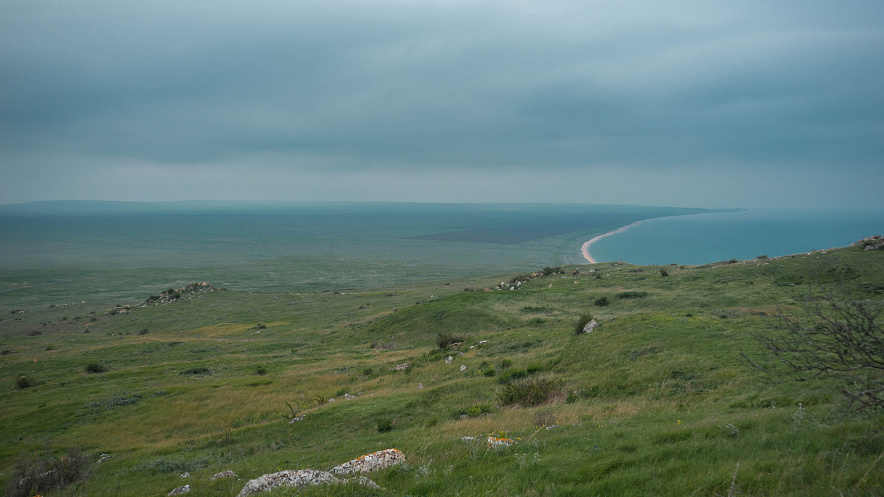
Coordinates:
<point>468,439</point>
<point>420,386</point>
<point>184,475</point>
<point>331,401</point>
<point>371,462</point>
<point>365,482</point>
<point>482,341</point>
<point>402,367</point>
<point>552,427</point>
<point>463,368</point>
<point>347,396</point>
<point>590,326</point>
<point>180,490</point>
<point>875,242</point>
<point>224,474</point>
<point>496,443</point>
<point>288,478</point>
<point>297,418</point>
<point>448,360</point>
<point>102,458</point>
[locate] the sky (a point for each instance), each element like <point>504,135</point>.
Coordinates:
<point>685,103</point>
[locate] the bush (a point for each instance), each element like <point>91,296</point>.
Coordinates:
<point>601,301</point>
<point>260,370</point>
<point>444,340</point>
<point>631,295</point>
<point>145,331</point>
<point>95,367</point>
<point>530,392</point>
<point>196,371</point>
<point>36,475</point>
<point>581,323</point>
<point>385,425</point>
<point>510,376</point>
<point>664,273</point>
<point>23,382</point>
<point>475,411</point>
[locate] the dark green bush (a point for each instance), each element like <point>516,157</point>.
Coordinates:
<point>530,392</point>
<point>509,376</point>
<point>664,273</point>
<point>23,382</point>
<point>444,340</point>
<point>95,367</point>
<point>196,371</point>
<point>631,295</point>
<point>475,411</point>
<point>601,301</point>
<point>385,425</point>
<point>36,475</point>
<point>260,370</point>
<point>581,323</point>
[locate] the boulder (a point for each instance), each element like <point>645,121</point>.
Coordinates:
<point>371,462</point>
<point>224,474</point>
<point>496,443</point>
<point>180,490</point>
<point>590,326</point>
<point>288,478</point>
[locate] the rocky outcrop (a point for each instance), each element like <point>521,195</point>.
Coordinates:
<point>496,443</point>
<point>590,326</point>
<point>875,242</point>
<point>371,462</point>
<point>288,478</point>
<point>224,474</point>
<point>180,490</point>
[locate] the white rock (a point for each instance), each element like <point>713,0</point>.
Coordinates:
<point>288,478</point>
<point>180,490</point>
<point>590,326</point>
<point>463,368</point>
<point>448,360</point>
<point>371,462</point>
<point>224,474</point>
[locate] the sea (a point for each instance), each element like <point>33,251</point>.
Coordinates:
<point>713,237</point>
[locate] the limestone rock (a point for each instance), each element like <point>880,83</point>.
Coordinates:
<point>402,367</point>
<point>224,474</point>
<point>288,478</point>
<point>496,443</point>
<point>590,326</point>
<point>365,482</point>
<point>371,462</point>
<point>180,490</point>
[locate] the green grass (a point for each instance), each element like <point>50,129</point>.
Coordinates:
<point>656,401</point>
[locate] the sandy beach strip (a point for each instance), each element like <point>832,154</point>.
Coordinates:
<point>585,248</point>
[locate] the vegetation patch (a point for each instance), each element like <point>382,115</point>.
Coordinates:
<point>35,475</point>
<point>530,391</point>
<point>197,371</point>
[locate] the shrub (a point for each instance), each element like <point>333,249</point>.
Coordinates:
<point>260,370</point>
<point>664,273</point>
<point>36,475</point>
<point>475,411</point>
<point>23,382</point>
<point>196,371</point>
<point>144,331</point>
<point>95,367</point>
<point>601,301</point>
<point>444,340</point>
<point>581,323</point>
<point>385,425</point>
<point>631,295</point>
<point>509,376</point>
<point>530,392</point>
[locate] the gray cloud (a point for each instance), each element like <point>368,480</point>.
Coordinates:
<point>327,88</point>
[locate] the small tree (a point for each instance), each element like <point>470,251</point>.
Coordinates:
<point>835,336</point>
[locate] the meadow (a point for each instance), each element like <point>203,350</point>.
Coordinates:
<point>658,400</point>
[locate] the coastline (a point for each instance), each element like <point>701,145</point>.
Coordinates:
<point>585,248</point>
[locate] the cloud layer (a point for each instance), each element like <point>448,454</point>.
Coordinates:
<point>313,100</point>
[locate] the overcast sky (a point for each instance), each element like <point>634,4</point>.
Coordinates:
<point>704,103</point>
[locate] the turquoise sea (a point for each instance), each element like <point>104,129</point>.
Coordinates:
<point>713,237</point>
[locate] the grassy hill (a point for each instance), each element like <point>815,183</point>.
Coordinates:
<point>657,401</point>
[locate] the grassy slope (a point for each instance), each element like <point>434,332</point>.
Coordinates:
<point>661,402</point>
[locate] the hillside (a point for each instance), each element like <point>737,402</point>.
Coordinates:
<point>658,400</point>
